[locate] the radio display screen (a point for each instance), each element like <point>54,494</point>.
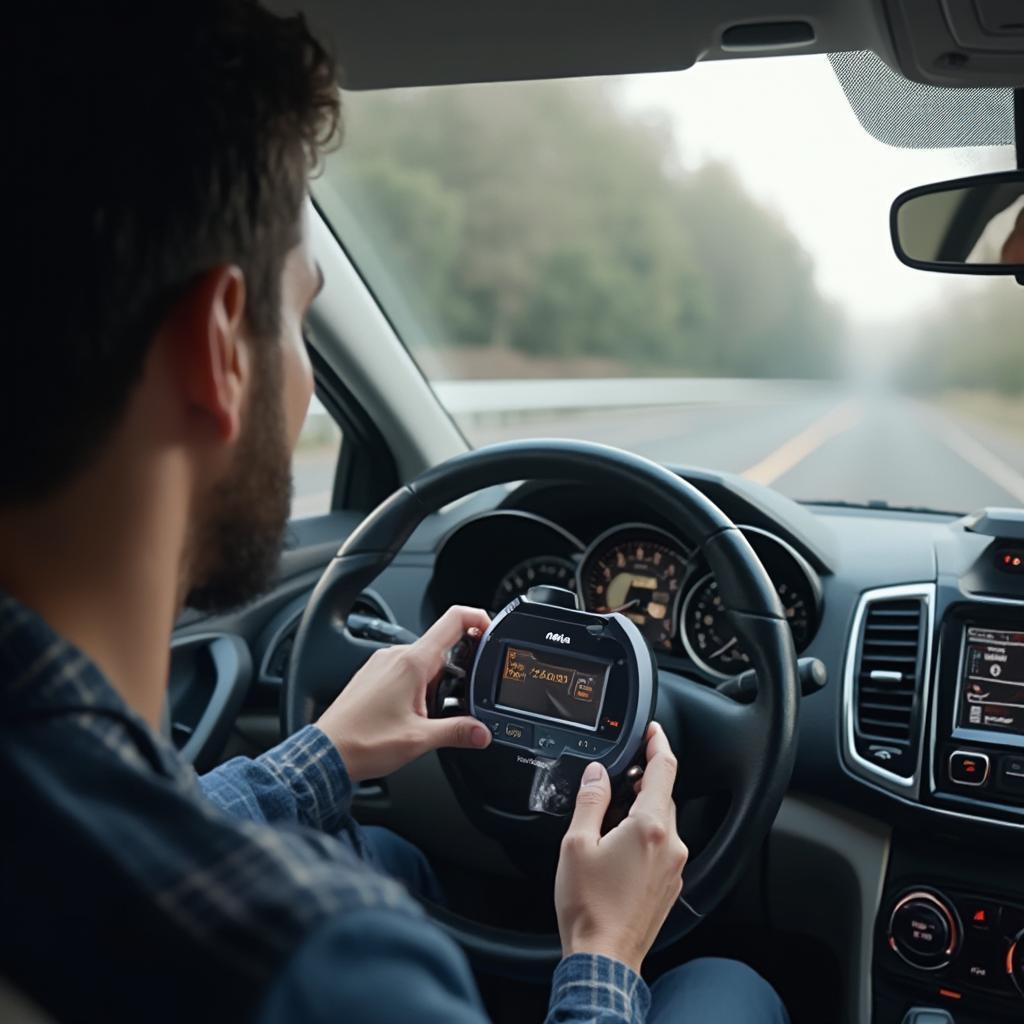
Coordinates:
<point>549,684</point>
<point>992,680</point>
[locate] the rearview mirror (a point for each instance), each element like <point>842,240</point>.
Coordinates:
<point>969,226</point>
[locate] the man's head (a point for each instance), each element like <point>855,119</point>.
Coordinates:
<point>162,248</point>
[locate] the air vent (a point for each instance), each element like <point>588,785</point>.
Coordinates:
<point>889,675</point>
<point>885,682</point>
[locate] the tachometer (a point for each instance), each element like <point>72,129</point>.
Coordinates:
<point>637,570</point>
<point>709,636</point>
<point>557,572</point>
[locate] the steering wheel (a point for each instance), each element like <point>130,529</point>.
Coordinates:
<point>744,750</point>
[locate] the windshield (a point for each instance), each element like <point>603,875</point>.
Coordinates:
<point>694,266</point>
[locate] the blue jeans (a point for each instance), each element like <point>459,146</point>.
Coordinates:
<point>708,990</point>
<point>715,990</point>
<point>398,858</point>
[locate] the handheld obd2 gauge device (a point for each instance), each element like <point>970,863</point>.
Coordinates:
<point>564,687</point>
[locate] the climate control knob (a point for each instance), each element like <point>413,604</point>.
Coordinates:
<point>1015,962</point>
<point>924,930</point>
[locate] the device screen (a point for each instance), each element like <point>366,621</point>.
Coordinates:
<point>992,680</point>
<point>552,685</point>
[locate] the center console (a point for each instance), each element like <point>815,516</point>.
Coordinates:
<point>977,762</point>
<point>933,717</point>
<point>950,933</point>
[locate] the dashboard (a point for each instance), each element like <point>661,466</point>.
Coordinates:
<point>919,620</point>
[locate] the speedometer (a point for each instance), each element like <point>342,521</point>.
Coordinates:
<point>709,636</point>
<point>637,570</point>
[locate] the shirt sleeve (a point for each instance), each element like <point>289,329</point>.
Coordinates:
<point>303,780</point>
<point>378,967</point>
<point>591,988</point>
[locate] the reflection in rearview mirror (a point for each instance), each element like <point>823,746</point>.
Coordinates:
<point>970,226</point>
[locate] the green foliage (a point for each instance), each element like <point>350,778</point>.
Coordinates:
<point>540,218</point>
<point>973,345</point>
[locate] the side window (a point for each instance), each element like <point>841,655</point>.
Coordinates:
<point>315,463</point>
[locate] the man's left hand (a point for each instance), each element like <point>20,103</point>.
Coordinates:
<point>379,721</point>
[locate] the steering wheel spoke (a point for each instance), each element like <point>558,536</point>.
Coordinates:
<point>711,734</point>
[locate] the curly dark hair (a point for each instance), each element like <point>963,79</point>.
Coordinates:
<point>153,142</point>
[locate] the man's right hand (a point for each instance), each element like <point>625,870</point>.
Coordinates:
<point>614,891</point>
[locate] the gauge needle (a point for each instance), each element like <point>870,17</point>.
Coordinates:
<point>724,647</point>
<point>621,608</point>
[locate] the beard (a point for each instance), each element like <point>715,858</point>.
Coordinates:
<point>237,542</point>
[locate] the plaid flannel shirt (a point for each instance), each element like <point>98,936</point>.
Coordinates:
<point>133,891</point>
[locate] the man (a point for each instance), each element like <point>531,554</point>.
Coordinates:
<point>155,381</point>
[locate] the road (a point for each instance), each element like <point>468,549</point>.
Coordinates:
<point>835,445</point>
<point>839,446</point>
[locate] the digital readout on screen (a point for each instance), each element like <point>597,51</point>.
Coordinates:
<point>992,680</point>
<point>552,686</point>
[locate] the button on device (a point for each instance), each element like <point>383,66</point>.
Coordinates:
<point>545,741</point>
<point>968,768</point>
<point>558,597</point>
<point>516,733</point>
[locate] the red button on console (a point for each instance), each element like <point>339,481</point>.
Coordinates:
<point>967,768</point>
<point>979,915</point>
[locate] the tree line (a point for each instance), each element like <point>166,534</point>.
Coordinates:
<point>545,220</point>
<point>975,343</point>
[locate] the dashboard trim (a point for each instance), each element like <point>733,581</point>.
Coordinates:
<point>887,780</point>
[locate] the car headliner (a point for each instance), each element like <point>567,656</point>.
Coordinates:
<point>390,43</point>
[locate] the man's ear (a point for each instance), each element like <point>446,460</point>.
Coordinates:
<point>210,349</point>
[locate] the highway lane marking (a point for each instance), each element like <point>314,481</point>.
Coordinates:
<point>986,462</point>
<point>839,420</point>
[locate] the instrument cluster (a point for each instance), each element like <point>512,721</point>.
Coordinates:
<point>653,577</point>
